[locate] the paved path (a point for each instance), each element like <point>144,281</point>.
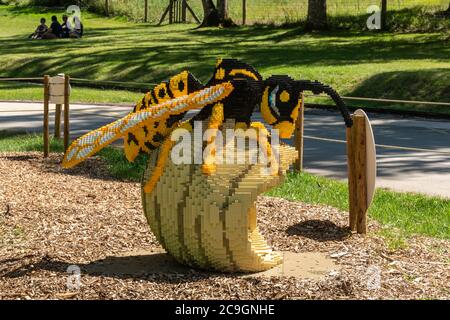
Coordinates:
<point>403,170</point>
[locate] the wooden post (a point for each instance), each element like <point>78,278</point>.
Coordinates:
<point>244,11</point>
<point>383,14</point>
<point>351,180</point>
<point>145,10</point>
<point>171,12</point>
<point>183,11</point>
<point>57,132</point>
<point>66,112</point>
<point>45,124</point>
<point>361,169</point>
<point>299,124</point>
<point>357,177</point>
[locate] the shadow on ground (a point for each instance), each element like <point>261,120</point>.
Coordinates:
<point>319,230</point>
<point>157,267</point>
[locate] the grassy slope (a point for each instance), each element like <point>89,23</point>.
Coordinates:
<point>368,64</point>
<point>403,214</point>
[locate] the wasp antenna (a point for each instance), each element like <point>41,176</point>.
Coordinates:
<point>317,87</point>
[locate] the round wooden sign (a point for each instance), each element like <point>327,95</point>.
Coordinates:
<point>371,158</point>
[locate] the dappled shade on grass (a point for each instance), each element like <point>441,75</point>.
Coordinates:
<point>122,51</point>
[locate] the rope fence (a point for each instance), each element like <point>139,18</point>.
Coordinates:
<point>447,104</point>
<point>384,146</point>
<point>146,86</point>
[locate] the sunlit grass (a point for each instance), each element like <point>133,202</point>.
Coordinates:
<point>408,66</point>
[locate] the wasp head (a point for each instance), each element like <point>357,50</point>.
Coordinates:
<point>280,104</point>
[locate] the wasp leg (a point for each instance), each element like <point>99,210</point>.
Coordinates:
<point>164,153</point>
<point>262,139</point>
<point>216,120</point>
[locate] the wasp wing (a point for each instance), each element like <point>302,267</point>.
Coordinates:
<point>92,142</point>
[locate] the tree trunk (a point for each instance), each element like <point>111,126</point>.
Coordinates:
<point>317,15</point>
<point>216,16</point>
<point>222,8</point>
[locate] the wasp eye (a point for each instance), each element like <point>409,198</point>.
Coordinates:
<point>273,100</point>
<point>181,86</point>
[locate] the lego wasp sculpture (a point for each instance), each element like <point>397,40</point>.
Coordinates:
<point>204,214</point>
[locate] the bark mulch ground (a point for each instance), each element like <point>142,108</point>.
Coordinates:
<point>52,218</point>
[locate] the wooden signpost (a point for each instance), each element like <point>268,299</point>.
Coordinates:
<point>361,158</point>
<point>57,91</point>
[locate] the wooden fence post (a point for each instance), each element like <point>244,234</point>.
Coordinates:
<point>183,11</point>
<point>107,7</point>
<point>57,132</point>
<point>357,176</point>
<point>383,14</point>
<point>45,124</point>
<point>171,11</point>
<point>66,112</point>
<point>244,11</point>
<point>299,124</point>
<point>146,11</point>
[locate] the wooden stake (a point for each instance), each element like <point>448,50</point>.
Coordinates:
<point>351,180</point>
<point>299,124</point>
<point>66,112</point>
<point>361,175</point>
<point>57,133</point>
<point>45,124</point>
<point>357,177</point>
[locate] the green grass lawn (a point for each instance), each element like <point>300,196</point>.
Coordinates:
<point>405,66</point>
<point>402,214</point>
<point>34,91</point>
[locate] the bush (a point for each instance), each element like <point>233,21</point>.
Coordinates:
<point>417,19</point>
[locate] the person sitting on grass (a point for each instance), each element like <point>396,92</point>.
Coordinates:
<point>66,27</point>
<point>40,30</point>
<point>77,31</point>
<point>55,30</point>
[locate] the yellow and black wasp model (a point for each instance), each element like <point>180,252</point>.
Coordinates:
<point>205,215</point>
<point>233,92</point>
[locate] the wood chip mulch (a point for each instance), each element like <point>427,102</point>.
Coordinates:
<point>51,218</point>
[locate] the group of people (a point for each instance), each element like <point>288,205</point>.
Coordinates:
<point>57,30</point>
